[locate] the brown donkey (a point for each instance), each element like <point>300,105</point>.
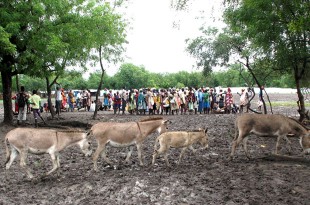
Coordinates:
<point>40,141</point>
<point>179,139</point>
<point>124,135</point>
<point>277,126</point>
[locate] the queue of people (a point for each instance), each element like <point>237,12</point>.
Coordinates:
<point>173,101</point>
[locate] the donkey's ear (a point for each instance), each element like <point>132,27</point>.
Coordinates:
<point>206,130</point>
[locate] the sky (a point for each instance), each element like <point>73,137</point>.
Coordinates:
<point>154,41</point>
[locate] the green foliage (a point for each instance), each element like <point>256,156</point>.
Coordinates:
<point>127,77</point>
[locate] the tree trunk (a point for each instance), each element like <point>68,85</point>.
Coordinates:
<point>49,97</point>
<point>6,76</point>
<point>301,100</point>
<point>100,84</point>
<point>257,82</point>
<point>17,83</point>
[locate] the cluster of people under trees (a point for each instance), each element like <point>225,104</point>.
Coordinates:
<point>175,101</point>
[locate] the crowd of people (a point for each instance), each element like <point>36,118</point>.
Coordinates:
<point>174,101</point>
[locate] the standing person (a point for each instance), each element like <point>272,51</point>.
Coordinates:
<point>22,99</point>
<point>221,97</point>
<point>228,100</point>
<point>105,103</point>
<point>116,102</point>
<point>64,99</point>
<point>212,97</point>
<point>136,98</point>
<point>260,98</point>
<point>206,102</point>
<point>58,101</point>
<point>150,100</point>
<point>131,102</point>
<point>249,95</point>
<point>243,99</point>
<point>191,101</point>
<point>182,101</point>
<point>166,103</point>
<point>88,98</point>
<point>141,102</point>
<point>15,111</point>
<point>35,100</point>
<point>200,101</point>
<point>71,100</point>
<point>124,101</point>
<point>78,100</point>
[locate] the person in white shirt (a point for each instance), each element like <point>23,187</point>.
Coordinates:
<point>58,101</point>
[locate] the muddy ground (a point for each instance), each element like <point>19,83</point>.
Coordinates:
<point>207,177</point>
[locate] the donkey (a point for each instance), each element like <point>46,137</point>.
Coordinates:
<point>268,125</point>
<point>125,135</point>
<point>40,141</point>
<point>180,139</point>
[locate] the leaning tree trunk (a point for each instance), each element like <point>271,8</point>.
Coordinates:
<point>301,101</point>
<point>257,82</point>
<point>100,84</point>
<point>6,76</point>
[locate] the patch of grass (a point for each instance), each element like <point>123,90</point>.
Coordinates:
<point>287,104</point>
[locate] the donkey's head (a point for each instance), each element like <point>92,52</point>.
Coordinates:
<point>163,126</point>
<point>84,144</point>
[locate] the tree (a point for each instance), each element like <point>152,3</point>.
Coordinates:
<point>220,48</point>
<point>281,30</point>
<point>31,38</point>
<point>43,38</point>
<point>107,37</point>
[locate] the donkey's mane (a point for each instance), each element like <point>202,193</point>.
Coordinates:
<point>195,130</point>
<point>151,119</point>
<point>71,131</point>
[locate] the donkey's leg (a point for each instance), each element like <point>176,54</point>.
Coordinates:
<point>162,149</point>
<point>245,148</point>
<point>104,155</point>
<point>166,159</point>
<point>13,155</point>
<point>192,148</point>
<point>236,143</point>
<point>55,164</point>
<point>99,150</point>
<point>139,147</point>
<point>129,153</point>
<point>182,152</point>
<point>233,146</point>
<point>154,157</point>
<point>23,157</point>
<point>278,144</point>
<point>289,146</point>
<point>58,164</point>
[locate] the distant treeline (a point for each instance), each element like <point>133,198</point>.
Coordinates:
<point>131,76</point>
